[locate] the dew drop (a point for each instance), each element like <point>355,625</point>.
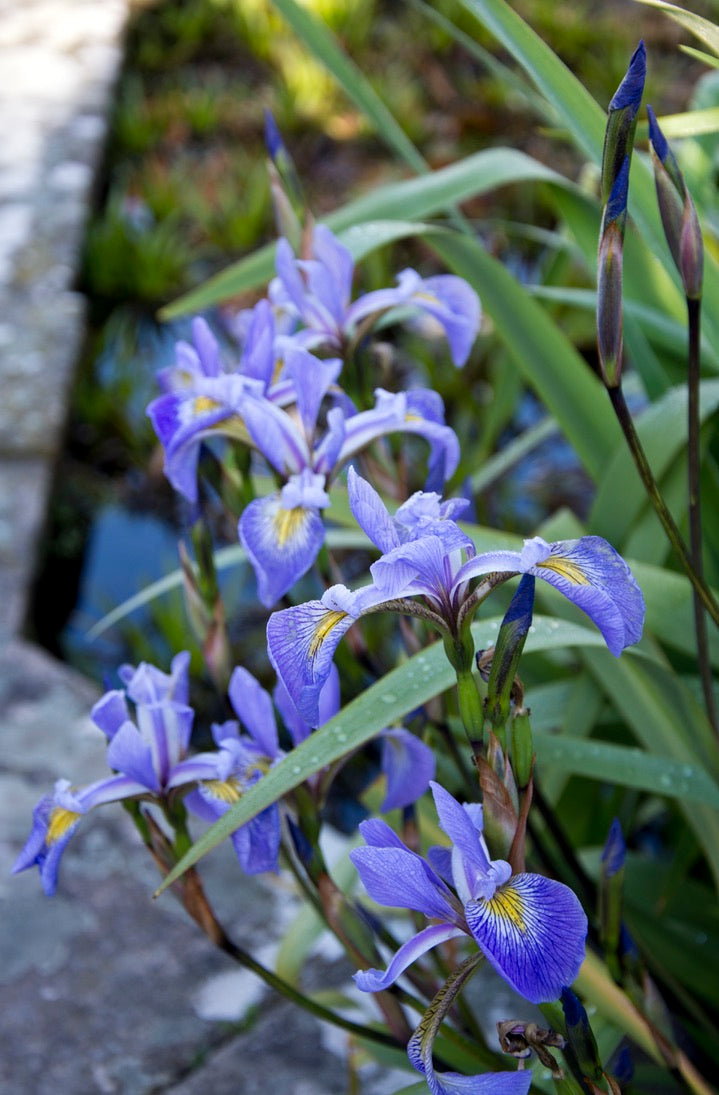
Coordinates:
<point>296,770</point>
<point>532,629</point>
<point>389,697</point>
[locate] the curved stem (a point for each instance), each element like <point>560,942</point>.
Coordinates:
<point>695,513</point>
<point>655,497</point>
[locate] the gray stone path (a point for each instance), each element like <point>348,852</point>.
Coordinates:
<point>102,990</point>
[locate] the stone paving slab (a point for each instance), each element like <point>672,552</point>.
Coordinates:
<point>113,992</point>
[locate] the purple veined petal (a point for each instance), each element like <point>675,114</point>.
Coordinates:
<point>470,863</point>
<point>424,514</point>
<point>281,544</point>
<point>52,828</point>
<point>376,833</point>
<point>408,765</point>
<point>375,303</point>
<point>370,512</point>
<point>325,457</point>
<point>257,843</point>
<point>276,436</point>
<point>301,642</point>
<point>421,567</point>
<point>425,417</point>
<point>329,705</point>
<point>207,347</point>
<point>183,419</point>
<point>594,576</point>
<point>148,684</point>
<point>376,980</point>
<point>113,788</point>
<point>258,358</point>
<point>399,413</point>
<point>297,727</point>
<point>455,305</point>
<point>337,260</point>
<point>132,755</point>
<point>399,878</point>
<point>312,377</point>
<point>533,932</point>
<point>289,279</point>
<point>166,728</point>
<point>254,710</point>
<point>486,1083</point>
<point>110,712</point>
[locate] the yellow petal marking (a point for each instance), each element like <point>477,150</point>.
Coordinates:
<point>227,790</point>
<point>328,621</point>
<point>288,522</point>
<point>507,904</point>
<point>566,568</point>
<point>203,403</point>
<point>59,822</point>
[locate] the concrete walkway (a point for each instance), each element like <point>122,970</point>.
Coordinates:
<point>102,990</point>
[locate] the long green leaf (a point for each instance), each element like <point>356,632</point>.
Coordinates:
<point>627,767</point>
<point>408,200</point>
<point>321,42</point>
<point>706,32</point>
<point>400,691</point>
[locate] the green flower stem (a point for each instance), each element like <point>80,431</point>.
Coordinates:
<point>673,534</point>
<point>695,513</point>
<point>460,654</point>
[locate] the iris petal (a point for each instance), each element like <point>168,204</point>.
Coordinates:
<point>281,544</point>
<point>533,932</point>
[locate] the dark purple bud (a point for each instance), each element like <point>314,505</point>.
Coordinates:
<point>615,850</point>
<point>678,213</point>
<point>629,93</point>
<point>273,138</point>
<point>622,121</point>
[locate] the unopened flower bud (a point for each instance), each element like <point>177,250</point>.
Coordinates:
<point>678,213</point>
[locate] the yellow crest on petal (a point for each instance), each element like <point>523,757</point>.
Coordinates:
<point>326,624</point>
<point>508,905</point>
<point>202,403</point>
<point>226,790</point>
<point>288,523</point>
<point>566,568</point>
<point>59,822</point>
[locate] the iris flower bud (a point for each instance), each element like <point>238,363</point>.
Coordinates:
<point>678,213</point>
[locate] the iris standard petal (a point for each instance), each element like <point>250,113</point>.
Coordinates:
<point>253,707</point>
<point>375,980</point>
<point>281,544</point>
<point>370,512</point>
<point>533,932</point>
